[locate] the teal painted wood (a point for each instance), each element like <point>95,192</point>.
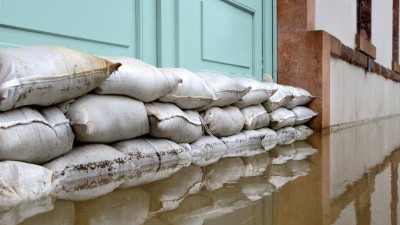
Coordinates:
<point>270,38</point>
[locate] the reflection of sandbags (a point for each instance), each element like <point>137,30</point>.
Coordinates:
<point>192,93</point>
<point>223,122</point>
<point>26,210</point>
<point>255,187</point>
<point>62,214</point>
<point>144,151</point>
<point>255,165</point>
<point>281,117</point>
<point>167,194</point>
<point>300,97</point>
<point>304,132</point>
<point>21,182</point>
<point>299,168</point>
<point>287,135</point>
<point>138,80</point>
<point>129,206</point>
<point>303,115</point>
<point>279,174</point>
<point>259,92</point>
<point>255,117</point>
<point>226,90</point>
<point>280,98</point>
<point>169,121</point>
<point>34,136</point>
<point>89,161</point>
<point>282,154</point>
<point>107,118</point>
<point>47,75</point>
<point>303,150</point>
<point>227,170</point>
<point>206,150</point>
<point>155,221</point>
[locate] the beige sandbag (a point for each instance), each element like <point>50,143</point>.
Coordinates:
<point>226,90</point>
<point>89,161</point>
<point>107,118</point>
<point>206,150</point>
<point>255,117</point>
<point>300,97</point>
<point>281,117</point>
<point>169,121</point>
<point>287,135</point>
<point>21,182</point>
<point>259,92</point>
<point>138,80</point>
<point>34,136</point>
<point>303,115</point>
<point>192,93</point>
<point>304,132</point>
<point>47,75</point>
<point>279,99</point>
<point>223,122</point>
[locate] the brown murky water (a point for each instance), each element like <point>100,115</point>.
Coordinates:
<point>353,178</point>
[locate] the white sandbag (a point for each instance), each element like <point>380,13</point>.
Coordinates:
<point>206,150</point>
<point>255,165</point>
<point>226,90</point>
<point>303,150</point>
<point>89,161</point>
<point>281,117</point>
<point>138,80</point>
<point>169,121</point>
<point>280,98</point>
<point>223,122</point>
<point>22,182</point>
<point>303,115</point>
<point>255,117</point>
<point>34,136</point>
<point>270,139</point>
<point>107,118</point>
<point>47,75</point>
<point>300,97</point>
<point>287,135</point>
<point>145,151</point>
<point>62,214</point>
<point>192,93</point>
<point>282,154</point>
<point>259,92</point>
<point>304,132</point>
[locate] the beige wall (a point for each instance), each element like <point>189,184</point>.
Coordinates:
<point>381,33</point>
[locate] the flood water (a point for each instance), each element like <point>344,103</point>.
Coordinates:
<point>352,178</point>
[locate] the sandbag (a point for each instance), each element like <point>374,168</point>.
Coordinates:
<point>304,132</point>
<point>287,135</point>
<point>303,115</point>
<point>169,121</point>
<point>192,93</point>
<point>226,90</point>
<point>22,182</point>
<point>270,139</point>
<point>145,151</point>
<point>300,97</point>
<point>107,118</point>
<point>255,117</point>
<point>279,99</point>
<point>34,136</point>
<point>259,92</point>
<point>47,75</point>
<point>138,80</point>
<point>223,122</point>
<point>206,150</point>
<point>281,117</point>
<point>89,161</point>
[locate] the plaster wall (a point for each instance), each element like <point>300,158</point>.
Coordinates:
<point>381,31</point>
<point>339,18</point>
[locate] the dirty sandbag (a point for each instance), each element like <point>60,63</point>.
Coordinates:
<point>226,90</point>
<point>138,80</point>
<point>206,150</point>
<point>170,122</point>
<point>300,97</point>
<point>47,75</point>
<point>191,93</point>
<point>62,214</point>
<point>282,154</point>
<point>255,165</point>
<point>287,135</point>
<point>281,117</point>
<point>107,118</point>
<point>303,150</point>
<point>304,132</point>
<point>128,206</point>
<point>145,151</point>
<point>270,139</point>
<point>259,92</point>
<point>222,122</point>
<point>89,161</point>
<point>34,136</point>
<point>255,117</point>
<point>227,170</point>
<point>303,115</point>
<point>21,182</point>
<point>280,98</point>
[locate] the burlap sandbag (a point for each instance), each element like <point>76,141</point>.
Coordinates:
<point>223,122</point>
